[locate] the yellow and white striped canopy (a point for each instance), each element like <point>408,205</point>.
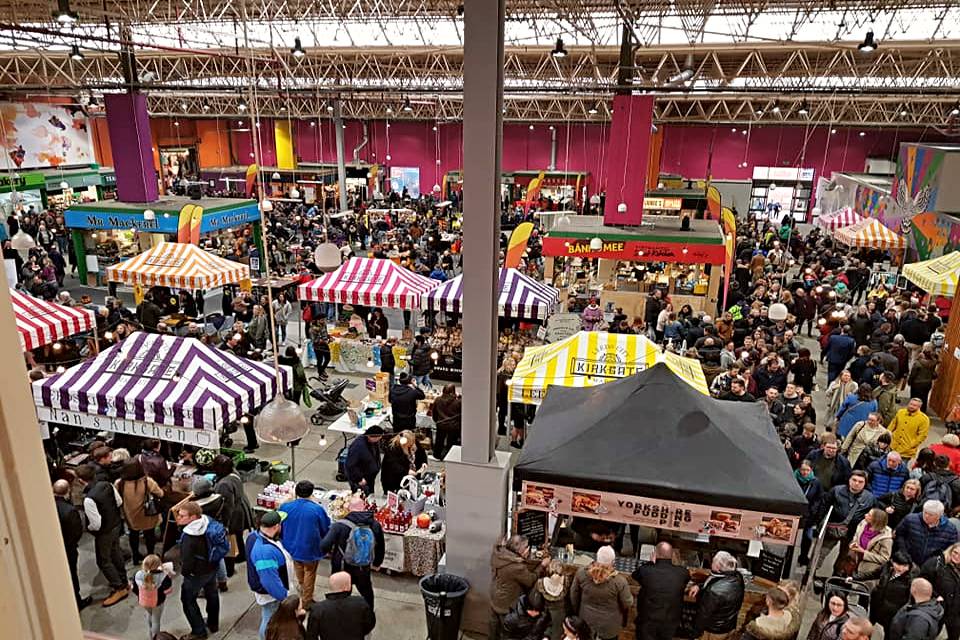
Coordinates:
<point>869,233</point>
<point>589,358</point>
<point>937,276</point>
<point>183,266</point>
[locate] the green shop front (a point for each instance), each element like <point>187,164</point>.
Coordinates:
<point>108,232</point>
<point>24,189</point>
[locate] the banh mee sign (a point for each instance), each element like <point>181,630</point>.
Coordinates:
<point>662,514</point>
<point>636,251</point>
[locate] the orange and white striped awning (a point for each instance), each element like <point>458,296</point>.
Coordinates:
<point>40,322</point>
<point>183,266</point>
<point>869,233</point>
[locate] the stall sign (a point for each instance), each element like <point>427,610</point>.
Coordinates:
<point>195,437</point>
<point>661,514</point>
<point>561,326</point>
<point>86,219</point>
<point>21,181</point>
<point>212,221</point>
<point>636,251</point>
<point>669,204</point>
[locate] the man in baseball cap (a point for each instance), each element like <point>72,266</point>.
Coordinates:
<point>269,567</point>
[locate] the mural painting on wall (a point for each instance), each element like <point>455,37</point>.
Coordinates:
<point>871,203</point>
<point>914,197</point>
<point>44,135</point>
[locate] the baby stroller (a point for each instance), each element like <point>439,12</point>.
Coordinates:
<point>331,401</point>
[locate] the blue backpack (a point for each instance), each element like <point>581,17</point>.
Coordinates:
<point>360,541</point>
<point>218,542</point>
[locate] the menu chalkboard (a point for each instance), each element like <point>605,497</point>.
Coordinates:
<point>769,565</point>
<point>533,524</point>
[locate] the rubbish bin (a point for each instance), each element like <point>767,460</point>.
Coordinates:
<point>443,596</point>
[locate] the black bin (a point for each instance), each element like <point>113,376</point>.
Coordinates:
<point>443,596</point>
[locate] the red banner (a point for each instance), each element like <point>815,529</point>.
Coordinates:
<point>661,514</point>
<point>635,251</point>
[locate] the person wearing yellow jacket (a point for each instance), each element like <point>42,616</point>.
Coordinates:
<point>909,428</point>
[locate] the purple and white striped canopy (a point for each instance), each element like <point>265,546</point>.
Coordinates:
<point>163,380</point>
<point>520,296</point>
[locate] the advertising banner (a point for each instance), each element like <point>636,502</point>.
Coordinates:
<point>636,251</point>
<point>662,514</point>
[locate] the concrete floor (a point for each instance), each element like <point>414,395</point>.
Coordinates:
<point>399,605</point>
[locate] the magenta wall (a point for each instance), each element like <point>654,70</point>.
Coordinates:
<point>687,149</point>
<point>583,147</point>
<point>242,142</point>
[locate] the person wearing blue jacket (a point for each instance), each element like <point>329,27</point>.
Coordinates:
<point>924,535</point>
<point>268,567</point>
<point>840,348</point>
<point>336,542</point>
<point>304,527</point>
<point>856,407</point>
<point>887,474</point>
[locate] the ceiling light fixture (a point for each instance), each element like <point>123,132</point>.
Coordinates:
<point>869,45</point>
<point>242,105</point>
<point>75,54</point>
<point>776,108</point>
<point>803,110</point>
<point>63,13</point>
<point>559,51</point>
<point>297,51</point>
<point>593,110</point>
<point>956,110</point>
<point>206,105</point>
<point>407,106</point>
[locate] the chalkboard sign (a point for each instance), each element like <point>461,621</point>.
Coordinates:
<point>769,565</point>
<point>533,524</point>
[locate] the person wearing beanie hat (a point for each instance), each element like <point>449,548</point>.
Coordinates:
<point>949,446</point>
<point>601,596</point>
<point>269,567</point>
<point>363,460</point>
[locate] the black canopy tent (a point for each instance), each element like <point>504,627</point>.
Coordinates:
<point>652,435</point>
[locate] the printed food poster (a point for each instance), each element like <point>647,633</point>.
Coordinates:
<point>662,514</point>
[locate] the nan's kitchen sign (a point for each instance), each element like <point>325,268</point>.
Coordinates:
<point>195,437</point>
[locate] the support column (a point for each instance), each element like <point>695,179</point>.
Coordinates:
<point>341,154</point>
<point>129,126</point>
<point>477,474</point>
<point>36,590</point>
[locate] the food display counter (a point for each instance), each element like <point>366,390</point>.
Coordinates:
<point>362,355</point>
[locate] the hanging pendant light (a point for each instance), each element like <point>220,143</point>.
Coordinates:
<point>559,51</point>
<point>63,14</point>
<point>75,54</point>
<point>869,45</point>
<point>803,108</point>
<point>297,51</point>
<point>407,106</point>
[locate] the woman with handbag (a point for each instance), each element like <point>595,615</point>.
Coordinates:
<point>141,510</point>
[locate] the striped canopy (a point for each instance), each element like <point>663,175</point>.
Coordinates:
<point>370,282</point>
<point>178,265</point>
<point>938,276</point>
<point>839,219</point>
<point>871,234</point>
<point>40,322</point>
<point>589,358</point>
<point>163,380</point>
<point>520,296</point>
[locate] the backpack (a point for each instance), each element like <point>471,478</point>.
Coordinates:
<point>938,489</point>
<point>148,597</point>
<point>360,541</point>
<point>218,543</point>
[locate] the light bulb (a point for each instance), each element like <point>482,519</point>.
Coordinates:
<point>108,335</point>
<point>323,439</point>
<point>369,363</point>
<point>61,369</point>
<point>57,346</point>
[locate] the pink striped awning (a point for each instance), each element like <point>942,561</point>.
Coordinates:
<point>40,322</point>
<point>838,219</point>
<point>369,282</point>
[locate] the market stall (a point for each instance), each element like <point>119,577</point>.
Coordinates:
<point>590,358</point>
<point>40,323</point>
<point>839,219</point>
<point>938,276</point>
<point>520,296</point>
<point>369,282</point>
<point>620,266</point>
<point>159,386</point>
<point>599,462</point>
<point>181,266</point>
<point>869,233</point>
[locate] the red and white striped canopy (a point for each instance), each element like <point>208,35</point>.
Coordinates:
<point>40,322</point>
<point>370,282</point>
<point>838,219</point>
<point>178,265</point>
